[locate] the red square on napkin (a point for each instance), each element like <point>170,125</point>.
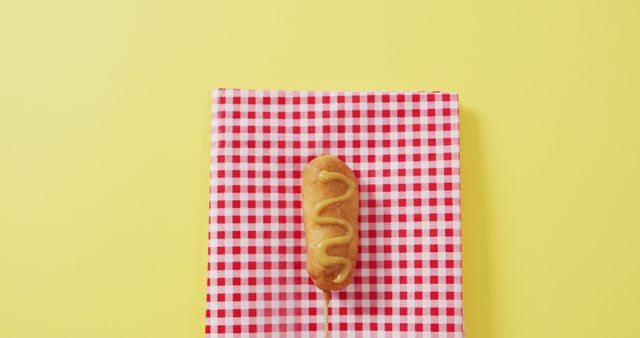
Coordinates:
<point>403,148</point>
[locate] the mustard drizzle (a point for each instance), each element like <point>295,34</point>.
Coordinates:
<point>323,258</point>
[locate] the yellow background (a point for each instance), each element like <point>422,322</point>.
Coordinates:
<point>104,150</point>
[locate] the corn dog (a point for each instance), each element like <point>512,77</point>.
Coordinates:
<point>330,205</point>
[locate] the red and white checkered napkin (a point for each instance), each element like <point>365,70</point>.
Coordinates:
<point>404,150</point>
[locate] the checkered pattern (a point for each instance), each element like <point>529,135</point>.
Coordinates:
<point>403,148</point>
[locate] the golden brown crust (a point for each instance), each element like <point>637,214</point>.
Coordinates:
<point>313,192</point>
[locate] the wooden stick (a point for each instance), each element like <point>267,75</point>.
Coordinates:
<point>326,314</point>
